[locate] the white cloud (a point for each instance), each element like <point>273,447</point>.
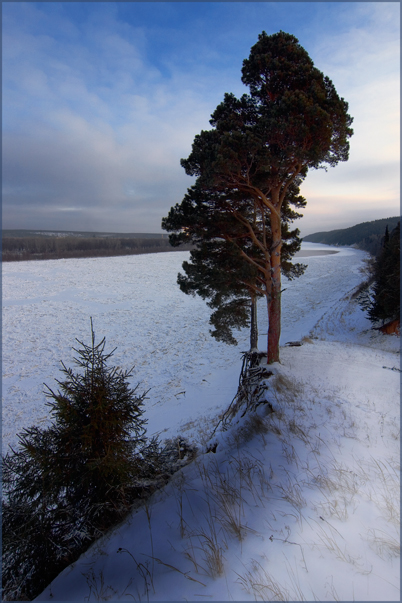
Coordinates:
<point>91,121</point>
<point>363,63</point>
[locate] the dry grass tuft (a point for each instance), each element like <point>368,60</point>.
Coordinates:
<point>334,507</point>
<point>329,541</point>
<point>384,544</point>
<point>292,492</point>
<point>258,582</point>
<point>297,431</point>
<point>97,587</point>
<point>288,388</point>
<point>212,548</point>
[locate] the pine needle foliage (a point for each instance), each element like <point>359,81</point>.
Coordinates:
<point>259,146</point>
<point>98,428</point>
<point>66,484</point>
<point>386,301</point>
<point>225,266</point>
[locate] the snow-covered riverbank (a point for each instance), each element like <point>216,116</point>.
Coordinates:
<point>299,504</point>
<point>136,304</point>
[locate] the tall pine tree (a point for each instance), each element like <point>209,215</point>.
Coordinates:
<point>293,120</point>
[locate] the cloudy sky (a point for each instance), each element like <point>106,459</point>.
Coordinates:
<point>101,100</point>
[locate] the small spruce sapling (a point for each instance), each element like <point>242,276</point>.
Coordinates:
<point>65,484</point>
<point>99,429</point>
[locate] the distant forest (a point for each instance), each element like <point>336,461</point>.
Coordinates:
<point>51,245</point>
<point>367,235</point>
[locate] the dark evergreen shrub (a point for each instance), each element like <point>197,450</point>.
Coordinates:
<point>383,299</point>
<point>66,484</point>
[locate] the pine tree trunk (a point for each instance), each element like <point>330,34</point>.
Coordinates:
<point>274,304</point>
<point>254,325</point>
<point>274,328</point>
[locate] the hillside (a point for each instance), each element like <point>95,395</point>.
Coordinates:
<point>366,235</point>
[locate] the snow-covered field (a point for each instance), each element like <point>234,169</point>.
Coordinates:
<point>300,504</point>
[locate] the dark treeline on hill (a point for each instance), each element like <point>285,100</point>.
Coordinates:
<point>367,235</point>
<point>48,245</point>
<point>380,294</point>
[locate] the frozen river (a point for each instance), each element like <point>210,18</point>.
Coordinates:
<point>136,304</point>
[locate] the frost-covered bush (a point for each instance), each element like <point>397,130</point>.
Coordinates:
<point>66,484</point>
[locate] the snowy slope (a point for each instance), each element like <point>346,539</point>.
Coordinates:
<point>300,504</point>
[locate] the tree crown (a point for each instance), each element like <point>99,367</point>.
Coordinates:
<point>292,120</point>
